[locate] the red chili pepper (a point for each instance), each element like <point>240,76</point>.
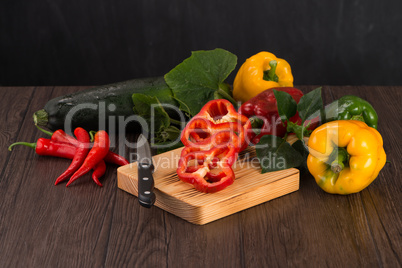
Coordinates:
<point>95,155</point>
<point>114,158</point>
<point>264,106</point>
<point>81,152</point>
<point>111,157</point>
<point>214,174</point>
<point>99,171</point>
<point>48,147</point>
<point>61,136</point>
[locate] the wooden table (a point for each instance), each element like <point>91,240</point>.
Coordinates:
<point>42,225</point>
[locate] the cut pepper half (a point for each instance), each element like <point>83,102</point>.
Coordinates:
<point>221,111</point>
<point>208,171</point>
<point>202,133</point>
<point>216,116</point>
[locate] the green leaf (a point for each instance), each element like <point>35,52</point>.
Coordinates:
<point>287,106</point>
<point>197,78</point>
<point>274,153</point>
<point>300,147</point>
<point>310,104</point>
<point>170,133</point>
<point>150,109</point>
<point>183,107</point>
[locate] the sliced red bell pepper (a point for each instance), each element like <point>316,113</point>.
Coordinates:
<point>221,111</point>
<point>212,139</point>
<point>209,171</point>
<point>224,140</point>
<point>219,139</point>
<point>215,116</point>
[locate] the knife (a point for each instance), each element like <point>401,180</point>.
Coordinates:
<point>146,195</point>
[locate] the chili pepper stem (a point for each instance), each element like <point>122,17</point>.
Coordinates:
<point>31,145</point>
<point>338,164</point>
<point>44,130</point>
<point>92,135</point>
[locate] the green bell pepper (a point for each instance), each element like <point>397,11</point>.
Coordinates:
<point>352,108</point>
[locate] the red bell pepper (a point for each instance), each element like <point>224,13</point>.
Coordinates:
<point>215,116</point>
<point>221,111</point>
<point>264,106</point>
<point>209,171</point>
<point>203,134</point>
<point>212,140</point>
<point>225,140</point>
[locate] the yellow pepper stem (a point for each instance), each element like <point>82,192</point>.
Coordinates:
<point>341,157</point>
<point>270,74</point>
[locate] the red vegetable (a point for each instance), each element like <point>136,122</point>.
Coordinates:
<point>48,147</point>
<point>265,107</point>
<point>114,158</point>
<point>99,171</point>
<point>215,116</point>
<point>209,171</point>
<point>95,155</point>
<point>79,157</point>
<point>212,140</point>
<point>63,137</point>
<point>221,140</point>
<point>65,146</point>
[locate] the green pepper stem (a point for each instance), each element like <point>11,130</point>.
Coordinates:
<point>44,130</point>
<point>224,94</point>
<point>338,164</point>
<point>175,122</point>
<point>92,135</point>
<point>31,145</point>
<point>358,118</point>
<point>271,73</point>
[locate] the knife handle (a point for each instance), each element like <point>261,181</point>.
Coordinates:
<point>146,195</point>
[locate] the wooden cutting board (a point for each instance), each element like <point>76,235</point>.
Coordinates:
<point>181,199</point>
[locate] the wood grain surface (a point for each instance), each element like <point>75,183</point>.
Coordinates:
<point>42,225</point>
<point>249,189</point>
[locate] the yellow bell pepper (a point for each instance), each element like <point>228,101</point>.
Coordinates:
<point>259,73</point>
<point>345,156</point>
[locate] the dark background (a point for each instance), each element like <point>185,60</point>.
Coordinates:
<point>89,42</point>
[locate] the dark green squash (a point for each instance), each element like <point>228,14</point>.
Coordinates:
<point>93,108</point>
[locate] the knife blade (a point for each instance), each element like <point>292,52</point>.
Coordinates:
<point>146,196</point>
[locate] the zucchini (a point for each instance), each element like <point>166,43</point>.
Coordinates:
<point>94,107</point>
